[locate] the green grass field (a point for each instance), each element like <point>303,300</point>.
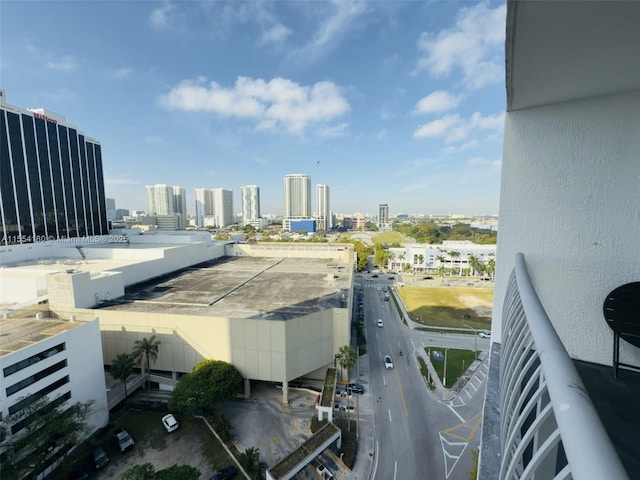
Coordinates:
<point>457,362</point>
<point>381,237</point>
<point>449,307</point>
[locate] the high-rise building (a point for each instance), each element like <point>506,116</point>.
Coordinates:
<point>297,199</point>
<point>180,201</point>
<point>51,180</point>
<point>111,209</point>
<point>383,217</point>
<point>323,215</point>
<point>222,207</point>
<point>250,204</point>
<point>160,200</point>
<point>204,205</point>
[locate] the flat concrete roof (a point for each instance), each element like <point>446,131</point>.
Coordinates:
<point>269,288</point>
<point>18,333</point>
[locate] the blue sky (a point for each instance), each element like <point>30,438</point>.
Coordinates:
<point>386,102</point>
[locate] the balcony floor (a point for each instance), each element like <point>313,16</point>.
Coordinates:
<point>617,402</point>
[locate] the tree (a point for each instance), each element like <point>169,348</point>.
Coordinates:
<point>122,369</point>
<point>146,349</point>
<point>453,255</point>
<point>210,382</point>
<point>347,358</point>
<point>146,471</point>
<point>441,268</point>
<point>421,261</point>
<point>473,263</point>
<point>490,267</point>
<point>52,429</point>
<point>382,257</point>
<point>250,461</point>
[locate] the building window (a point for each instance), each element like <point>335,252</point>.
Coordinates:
<point>16,367</point>
<point>16,427</point>
<point>26,401</point>
<point>16,387</point>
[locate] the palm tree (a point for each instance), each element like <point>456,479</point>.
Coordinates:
<point>146,348</point>
<point>250,461</point>
<point>347,358</point>
<point>453,255</point>
<point>473,263</point>
<point>441,268</point>
<point>491,267</point>
<point>421,261</point>
<point>122,368</point>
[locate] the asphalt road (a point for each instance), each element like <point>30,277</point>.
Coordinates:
<point>417,436</point>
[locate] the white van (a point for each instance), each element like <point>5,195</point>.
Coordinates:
<point>380,324</point>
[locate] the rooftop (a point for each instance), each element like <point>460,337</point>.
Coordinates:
<point>244,287</point>
<point>18,333</point>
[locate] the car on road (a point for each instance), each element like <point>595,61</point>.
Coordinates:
<point>125,442</point>
<point>391,278</point>
<point>378,288</point>
<point>427,278</point>
<point>485,334</point>
<point>375,275</point>
<point>226,473</point>
<point>170,422</point>
<point>388,363</point>
<point>100,458</point>
<point>355,388</point>
<point>380,323</point>
<point>324,472</point>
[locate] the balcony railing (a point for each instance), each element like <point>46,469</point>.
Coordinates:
<point>549,428</point>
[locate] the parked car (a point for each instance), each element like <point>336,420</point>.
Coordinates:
<point>355,388</point>
<point>427,278</point>
<point>485,334</point>
<point>125,442</point>
<point>226,473</point>
<point>388,363</point>
<point>100,458</point>
<point>375,275</point>
<point>391,278</point>
<point>380,323</point>
<point>324,472</point>
<point>170,422</point>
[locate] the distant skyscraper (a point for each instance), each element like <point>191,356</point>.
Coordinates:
<point>160,200</point>
<point>383,217</point>
<point>51,180</point>
<point>222,207</point>
<point>111,209</point>
<point>250,203</point>
<point>180,201</point>
<point>297,199</point>
<point>204,205</point>
<point>323,215</point>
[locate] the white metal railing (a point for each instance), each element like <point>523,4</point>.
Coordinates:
<point>549,428</point>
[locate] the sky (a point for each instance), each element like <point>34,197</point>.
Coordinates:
<point>397,102</point>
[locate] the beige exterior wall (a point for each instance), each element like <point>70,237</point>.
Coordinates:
<point>269,350</point>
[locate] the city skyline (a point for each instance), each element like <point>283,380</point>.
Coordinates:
<point>396,102</point>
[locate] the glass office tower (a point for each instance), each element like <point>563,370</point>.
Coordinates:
<point>51,179</point>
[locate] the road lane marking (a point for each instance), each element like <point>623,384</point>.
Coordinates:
<point>404,404</point>
<point>389,410</point>
<point>456,413</point>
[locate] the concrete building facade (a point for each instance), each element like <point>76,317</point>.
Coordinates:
<point>250,204</point>
<point>323,210</point>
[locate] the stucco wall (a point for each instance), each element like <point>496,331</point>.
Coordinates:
<point>261,349</point>
<point>84,368</point>
<point>570,201</point>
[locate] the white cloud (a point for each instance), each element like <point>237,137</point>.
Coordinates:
<point>160,17</point>
<point>123,180</point>
<point>382,134</point>
<point>343,19</point>
<point>275,35</point>
<point>121,73</point>
<point>334,131</point>
<point>438,101</point>
<point>474,45</point>
<point>65,63</point>
<point>278,103</point>
<point>452,128</point>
